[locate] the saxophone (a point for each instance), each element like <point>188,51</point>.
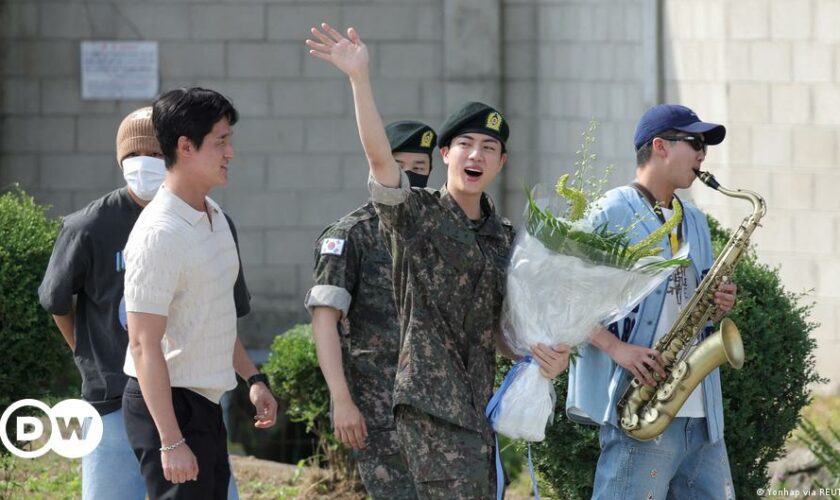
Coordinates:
<point>646,410</point>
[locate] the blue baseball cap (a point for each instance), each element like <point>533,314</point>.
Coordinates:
<point>664,117</point>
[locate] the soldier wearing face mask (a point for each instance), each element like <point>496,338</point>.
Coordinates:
<point>87,264</point>
<point>354,322</point>
<point>412,144</point>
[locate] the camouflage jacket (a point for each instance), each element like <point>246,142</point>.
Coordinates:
<point>353,274</point>
<point>449,277</point>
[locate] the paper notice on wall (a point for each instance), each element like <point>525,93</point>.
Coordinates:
<point>119,70</point>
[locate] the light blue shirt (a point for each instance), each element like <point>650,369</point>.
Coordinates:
<point>596,383</point>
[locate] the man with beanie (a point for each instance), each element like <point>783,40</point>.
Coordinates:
<point>181,266</point>
<point>87,262</point>
<point>450,252</point>
<point>688,460</point>
<point>354,323</point>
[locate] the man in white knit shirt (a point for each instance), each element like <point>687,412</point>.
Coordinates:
<point>181,265</point>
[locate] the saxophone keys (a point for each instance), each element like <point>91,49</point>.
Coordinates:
<point>630,423</point>
<point>651,415</point>
<point>647,392</point>
<point>681,371</point>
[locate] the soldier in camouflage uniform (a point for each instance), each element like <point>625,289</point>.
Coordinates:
<point>353,299</point>
<point>450,251</point>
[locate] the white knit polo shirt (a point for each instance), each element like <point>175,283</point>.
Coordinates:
<point>181,264</point>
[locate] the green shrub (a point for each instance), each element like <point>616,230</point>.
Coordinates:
<point>761,401</point>
<point>295,377</point>
<point>36,362</point>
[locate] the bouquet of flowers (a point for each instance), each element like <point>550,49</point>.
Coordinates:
<point>566,276</point>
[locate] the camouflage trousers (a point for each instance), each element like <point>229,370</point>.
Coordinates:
<point>446,461</point>
<point>382,468</point>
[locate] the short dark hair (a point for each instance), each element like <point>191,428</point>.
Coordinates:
<point>191,113</point>
<point>644,152</point>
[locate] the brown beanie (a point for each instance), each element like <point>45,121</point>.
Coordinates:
<point>136,132</point>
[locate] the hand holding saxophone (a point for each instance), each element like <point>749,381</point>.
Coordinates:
<point>641,362</point>
<point>725,298</point>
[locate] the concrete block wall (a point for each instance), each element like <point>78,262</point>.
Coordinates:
<point>298,163</point>
<point>567,62</point>
<point>769,70</point>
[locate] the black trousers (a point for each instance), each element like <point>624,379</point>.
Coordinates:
<point>201,424</point>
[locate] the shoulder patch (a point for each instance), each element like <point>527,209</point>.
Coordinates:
<point>332,246</point>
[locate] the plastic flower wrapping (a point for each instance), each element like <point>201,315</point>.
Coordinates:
<point>566,276</point>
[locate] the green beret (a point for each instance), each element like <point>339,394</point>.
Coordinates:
<point>411,137</point>
<point>474,117</point>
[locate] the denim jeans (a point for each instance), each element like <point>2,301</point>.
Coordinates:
<point>681,464</point>
<point>112,470</point>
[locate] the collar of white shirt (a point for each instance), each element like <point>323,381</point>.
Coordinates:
<point>183,209</point>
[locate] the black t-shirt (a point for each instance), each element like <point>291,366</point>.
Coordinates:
<point>87,261</point>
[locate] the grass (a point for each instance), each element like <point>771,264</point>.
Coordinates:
<point>49,476</point>
<point>261,490</point>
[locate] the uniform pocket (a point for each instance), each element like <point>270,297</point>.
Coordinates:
<point>376,270</point>
<point>452,252</point>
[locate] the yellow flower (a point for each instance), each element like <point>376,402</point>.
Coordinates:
<point>648,246</point>
<point>575,197</point>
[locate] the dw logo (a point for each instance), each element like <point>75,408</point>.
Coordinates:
<point>67,421</point>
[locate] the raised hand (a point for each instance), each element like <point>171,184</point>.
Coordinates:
<point>349,54</point>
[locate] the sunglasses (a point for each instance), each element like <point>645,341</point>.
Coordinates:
<point>696,143</point>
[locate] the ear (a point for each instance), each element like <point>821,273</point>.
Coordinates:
<point>444,154</point>
<point>658,147</point>
<point>185,148</point>
<point>503,160</point>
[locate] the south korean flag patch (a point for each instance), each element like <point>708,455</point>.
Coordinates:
<point>332,246</point>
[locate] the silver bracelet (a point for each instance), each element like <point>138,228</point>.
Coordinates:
<point>174,445</point>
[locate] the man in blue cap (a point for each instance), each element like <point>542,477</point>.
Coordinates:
<point>689,459</point>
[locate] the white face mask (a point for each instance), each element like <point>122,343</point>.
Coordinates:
<point>144,175</point>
